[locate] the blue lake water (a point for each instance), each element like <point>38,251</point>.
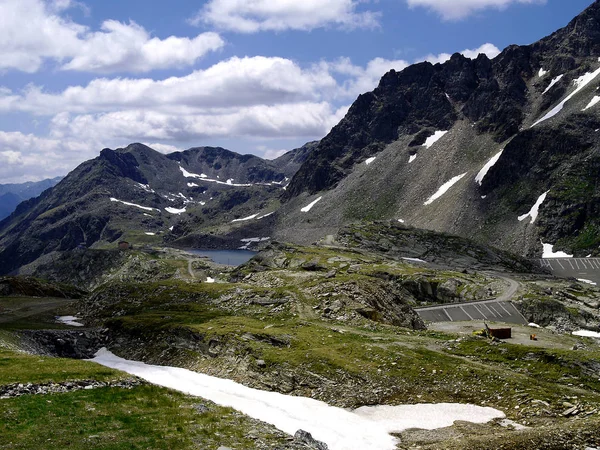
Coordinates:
<point>228,257</point>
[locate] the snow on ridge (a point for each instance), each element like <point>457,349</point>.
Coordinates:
<point>370,160</point>
<point>542,72</point>
<point>308,207</point>
<point>553,82</point>
<point>204,177</point>
<point>581,83</point>
<point>175,210</point>
<point>533,212</point>
<point>444,188</point>
<point>550,253</point>
<point>366,428</point>
<point>484,171</point>
<point>592,102</point>
<point>145,208</point>
<point>434,138</point>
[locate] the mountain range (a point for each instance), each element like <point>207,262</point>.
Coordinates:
<point>13,194</point>
<point>505,151</point>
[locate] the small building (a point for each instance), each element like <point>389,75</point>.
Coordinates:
<point>124,245</point>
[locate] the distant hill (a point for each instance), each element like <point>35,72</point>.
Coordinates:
<point>13,194</point>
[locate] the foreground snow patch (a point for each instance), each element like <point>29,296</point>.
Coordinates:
<point>308,207</point>
<point>444,188</point>
<point>533,212</point>
<point>587,333</point>
<point>145,208</point>
<point>580,82</point>
<point>69,320</point>
<point>366,428</point>
<point>411,158</point>
<point>370,160</point>
<point>549,252</point>
<point>434,138</point>
<point>483,172</point>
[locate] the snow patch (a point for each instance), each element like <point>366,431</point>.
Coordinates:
<point>587,333</point>
<point>308,207</point>
<point>411,158</point>
<point>542,72</point>
<point>401,220</point>
<point>204,177</point>
<point>245,218</point>
<point>444,188</point>
<point>149,233</point>
<point>175,210</point>
<point>580,82</point>
<point>434,138</point>
<point>534,325</point>
<point>367,428</point>
<point>171,228</point>
<point>553,82</point>
<point>414,260</point>
<point>549,252</point>
<point>192,185</point>
<point>533,212</point>
<point>583,280</point>
<point>69,320</point>
<point>145,208</point>
<point>370,160</point>
<point>592,102</point>
<point>209,280</point>
<point>483,172</point>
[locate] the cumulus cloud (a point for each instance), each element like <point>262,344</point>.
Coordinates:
<point>22,154</point>
<point>236,82</point>
<point>34,31</point>
<point>487,49</point>
<point>362,79</point>
<point>251,16</point>
<point>459,9</point>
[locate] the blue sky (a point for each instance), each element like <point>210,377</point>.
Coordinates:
<point>255,76</point>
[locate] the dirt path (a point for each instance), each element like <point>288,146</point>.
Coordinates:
<point>510,292</point>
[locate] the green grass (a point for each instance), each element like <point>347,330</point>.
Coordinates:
<point>113,418</point>
<point>23,368</point>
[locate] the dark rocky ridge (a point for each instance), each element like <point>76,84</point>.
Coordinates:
<point>486,106</point>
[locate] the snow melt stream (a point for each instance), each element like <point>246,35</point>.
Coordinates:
<point>366,428</point>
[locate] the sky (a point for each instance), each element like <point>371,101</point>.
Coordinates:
<point>253,76</point>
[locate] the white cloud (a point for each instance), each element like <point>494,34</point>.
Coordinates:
<point>163,148</point>
<point>261,121</point>
<point>459,9</point>
<point>33,32</point>
<point>235,82</point>
<point>488,49</point>
<point>251,16</point>
<point>28,157</point>
<point>362,79</point>
<point>269,153</point>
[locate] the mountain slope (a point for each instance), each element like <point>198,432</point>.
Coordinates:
<point>13,194</point>
<point>416,147</point>
<point>142,196</point>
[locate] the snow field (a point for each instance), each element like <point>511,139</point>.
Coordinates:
<point>366,428</point>
<point>308,207</point>
<point>533,212</point>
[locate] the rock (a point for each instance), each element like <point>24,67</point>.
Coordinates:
<point>306,438</point>
<point>201,408</point>
<point>261,363</point>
